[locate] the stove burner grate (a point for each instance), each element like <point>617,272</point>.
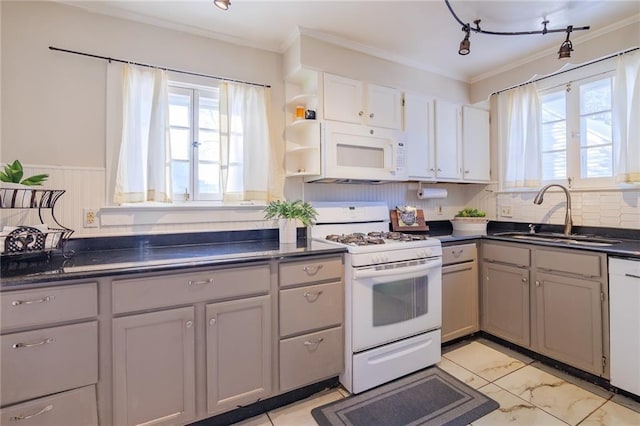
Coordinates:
<point>373,238</point>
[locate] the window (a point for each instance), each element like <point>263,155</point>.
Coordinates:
<point>577,134</point>
<point>194,120</point>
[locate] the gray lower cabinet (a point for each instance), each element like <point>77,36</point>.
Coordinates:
<point>460,305</point>
<point>569,320</point>
<point>154,368</point>
<point>505,302</point>
<point>49,355</point>
<point>238,353</point>
<point>550,300</point>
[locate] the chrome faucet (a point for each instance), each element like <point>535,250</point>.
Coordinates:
<point>568,223</point>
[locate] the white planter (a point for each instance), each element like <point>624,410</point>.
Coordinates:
<point>288,231</point>
<point>469,226</point>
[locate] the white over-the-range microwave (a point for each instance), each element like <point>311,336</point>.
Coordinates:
<point>353,153</point>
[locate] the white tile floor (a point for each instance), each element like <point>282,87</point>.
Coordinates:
<point>528,392</point>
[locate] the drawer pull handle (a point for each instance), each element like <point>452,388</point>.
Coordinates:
<point>312,296</point>
<point>30,345</point>
<point>30,416</point>
<point>457,253</point>
<point>201,282</point>
<point>31,302</point>
<point>632,275</point>
<point>314,343</point>
<point>312,270</point>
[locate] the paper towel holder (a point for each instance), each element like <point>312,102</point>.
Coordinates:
<point>427,193</point>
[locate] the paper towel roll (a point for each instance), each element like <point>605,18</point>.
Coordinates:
<point>426,193</point>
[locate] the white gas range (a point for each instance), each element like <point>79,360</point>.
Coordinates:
<point>393,291</point>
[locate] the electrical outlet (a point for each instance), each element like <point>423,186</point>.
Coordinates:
<point>90,218</point>
<point>505,211</point>
<point>439,210</point>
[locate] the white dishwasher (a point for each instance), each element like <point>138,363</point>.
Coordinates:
<point>624,307</point>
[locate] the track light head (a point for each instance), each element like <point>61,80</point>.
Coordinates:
<point>566,47</point>
<point>465,44</point>
<point>222,4</point>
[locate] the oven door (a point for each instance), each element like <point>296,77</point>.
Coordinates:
<point>395,300</point>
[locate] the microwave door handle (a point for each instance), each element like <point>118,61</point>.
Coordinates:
<point>415,270</point>
<point>391,167</point>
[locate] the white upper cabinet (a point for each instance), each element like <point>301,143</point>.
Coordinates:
<point>418,125</point>
<point>353,101</point>
<point>448,140</point>
<point>475,144</point>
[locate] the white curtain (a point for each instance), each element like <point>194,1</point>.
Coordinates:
<point>144,166</point>
<point>520,111</point>
<point>626,117</point>
<point>249,163</point>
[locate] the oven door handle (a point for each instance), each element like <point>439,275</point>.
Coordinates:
<point>412,270</point>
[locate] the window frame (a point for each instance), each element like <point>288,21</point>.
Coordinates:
<point>574,79</point>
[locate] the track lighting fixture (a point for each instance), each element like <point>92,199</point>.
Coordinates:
<point>465,44</point>
<point>222,4</point>
<point>565,49</point>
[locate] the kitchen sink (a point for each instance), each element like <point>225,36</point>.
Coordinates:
<point>573,239</point>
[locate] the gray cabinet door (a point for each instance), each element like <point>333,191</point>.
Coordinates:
<point>238,352</point>
<point>154,368</point>
<point>505,302</point>
<point>569,321</point>
<point>459,300</point>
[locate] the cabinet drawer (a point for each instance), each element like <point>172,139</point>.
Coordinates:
<point>155,292</point>
<point>313,270</point>
<point>309,358</point>
<point>41,362</point>
<point>72,408</point>
<point>459,253</point>
<point>587,265</point>
<point>48,305</point>
<point>310,308</point>
<point>506,254</point>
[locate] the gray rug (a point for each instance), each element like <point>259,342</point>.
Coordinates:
<point>428,397</point>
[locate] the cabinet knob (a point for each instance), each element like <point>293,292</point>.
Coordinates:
<point>212,321</point>
<point>524,280</point>
<point>361,113</point>
<point>439,169</point>
<point>371,115</point>
<point>432,169</point>
<point>188,324</point>
<point>537,283</point>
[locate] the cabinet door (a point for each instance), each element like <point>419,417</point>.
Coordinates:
<point>384,107</point>
<point>448,142</point>
<point>238,352</point>
<point>343,99</point>
<point>569,320</point>
<point>459,300</point>
<point>505,302</point>
<point>154,368</point>
<point>475,144</point>
<point>418,125</point>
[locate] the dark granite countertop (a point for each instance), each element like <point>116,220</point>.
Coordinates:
<point>95,258</point>
<point>112,256</point>
<point>629,245</point>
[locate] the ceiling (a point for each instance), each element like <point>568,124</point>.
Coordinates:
<point>419,33</point>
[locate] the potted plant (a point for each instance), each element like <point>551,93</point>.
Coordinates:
<point>288,213</point>
<point>470,221</point>
<point>13,174</point>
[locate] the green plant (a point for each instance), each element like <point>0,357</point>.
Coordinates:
<point>13,173</point>
<point>302,211</point>
<point>470,212</point>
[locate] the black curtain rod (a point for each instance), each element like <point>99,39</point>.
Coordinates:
<point>562,72</point>
<point>106,58</point>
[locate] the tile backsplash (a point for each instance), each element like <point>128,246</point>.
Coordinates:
<point>616,209</point>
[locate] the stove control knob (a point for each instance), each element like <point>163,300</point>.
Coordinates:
<point>385,258</point>
<point>428,252</point>
<point>375,259</point>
